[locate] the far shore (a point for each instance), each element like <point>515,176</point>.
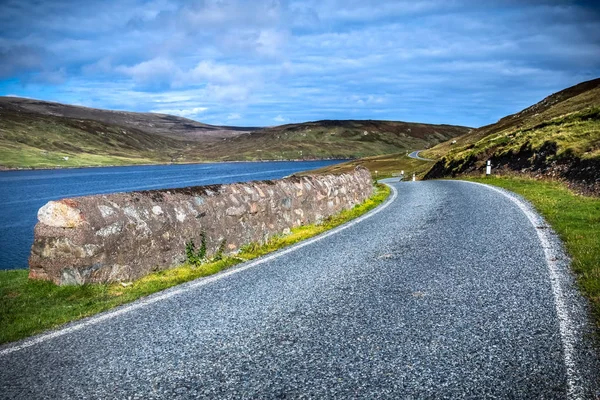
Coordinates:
<point>12,169</point>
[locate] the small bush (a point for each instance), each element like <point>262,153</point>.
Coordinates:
<point>219,254</point>
<point>194,257</point>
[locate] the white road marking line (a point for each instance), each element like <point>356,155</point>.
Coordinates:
<point>566,325</point>
<point>194,284</point>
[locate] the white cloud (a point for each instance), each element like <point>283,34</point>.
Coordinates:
<point>16,95</point>
<point>236,93</point>
<point>182,112</point>
<point>233,117</point>
<point>211,14</point>
<point>299,59</point>
<point>102,66</point>
<point>367,100</point>
<point>361,11</point>
<point>19,58</point>
<point>211,72</point>
<point>226,82</point>
<point>155,71</point>
<point>271,42</point>
<point>53,77</point>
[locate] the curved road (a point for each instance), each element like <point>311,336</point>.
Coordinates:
<point>415,155</point>
<point>446,291</point>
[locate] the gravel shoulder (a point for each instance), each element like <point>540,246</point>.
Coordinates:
<point>444,292</point>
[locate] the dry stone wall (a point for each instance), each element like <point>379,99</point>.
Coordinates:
<point>124,236</point>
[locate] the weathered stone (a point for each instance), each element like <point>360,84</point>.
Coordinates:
<point>110,229</point>
<point>156,210</point>
<point>286,203</point>
<point>235,211</point>
<point>124,236</point>
<point>60,214</point>
<point>106,210</point>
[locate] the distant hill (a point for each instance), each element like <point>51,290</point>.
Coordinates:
<point>42,134</point>
<point>337,139</point>
<point>152,123</point>
<point>558,137</point>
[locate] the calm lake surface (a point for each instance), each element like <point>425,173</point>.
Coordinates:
<point>22,193</point>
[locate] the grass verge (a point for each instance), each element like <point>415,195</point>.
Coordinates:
<point>386,166</point>
<point>29,307</point>
<point>575,218</point>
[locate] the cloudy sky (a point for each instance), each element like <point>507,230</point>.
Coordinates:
<point>268,62</point>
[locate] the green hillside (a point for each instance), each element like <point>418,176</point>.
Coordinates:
<point>335,139</point>
<point>39,141</point>
<point>558,137</point>
<point>37,134</point>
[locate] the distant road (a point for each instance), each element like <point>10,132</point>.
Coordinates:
<point>449,290</point>
<point>415,154</point>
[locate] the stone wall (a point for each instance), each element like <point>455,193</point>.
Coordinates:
<point>124,236</point>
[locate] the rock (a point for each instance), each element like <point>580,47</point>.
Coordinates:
<point>123,236</point>
<point>235,211</point>
<point>60,214</point>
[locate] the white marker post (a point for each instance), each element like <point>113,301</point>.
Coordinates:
<point>414,177</point>
<point>376,175</point>
<point>488,168</point>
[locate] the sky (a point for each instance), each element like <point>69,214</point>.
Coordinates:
<point>270,62</point>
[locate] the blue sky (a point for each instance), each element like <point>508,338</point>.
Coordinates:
<point>268,62</point>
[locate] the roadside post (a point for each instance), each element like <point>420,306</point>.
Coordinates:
<point>376,174</point>
<point>399,175</point>
<point>488,168</point>
<point>414,177</point>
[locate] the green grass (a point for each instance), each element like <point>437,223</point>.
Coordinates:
<point>41,141</point>
<point>385,165</point>
<point>33,140</point>
<point>29,157</point>
<point>335,139</point>
<point>575,218</point>
<point>569,118</point>
<point>575,134</point>
<point>28,307</point>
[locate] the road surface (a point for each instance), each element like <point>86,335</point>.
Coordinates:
<point>446,291</point>
<point>415,154</point>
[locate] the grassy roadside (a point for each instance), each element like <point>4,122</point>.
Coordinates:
<point>29,307</point>
<point>575,218</point>
<point>385,165</point>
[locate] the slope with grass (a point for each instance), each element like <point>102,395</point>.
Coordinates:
<point>37,134</point>
<point>36,140</point>
<point>154,123</point>
<point>338,139</point>
<point>558,137</point>
<point>384,166</point>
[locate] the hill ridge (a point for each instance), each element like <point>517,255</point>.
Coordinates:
<point>558,137</point>
<point>40,134</point>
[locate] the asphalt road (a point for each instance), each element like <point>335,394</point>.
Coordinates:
<point>446,292</point>
<point>415,154</point>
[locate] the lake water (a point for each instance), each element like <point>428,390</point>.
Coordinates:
<point>22,193</point>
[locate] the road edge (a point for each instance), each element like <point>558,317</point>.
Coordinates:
<point>572,310</point>
<point>185,287</point>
